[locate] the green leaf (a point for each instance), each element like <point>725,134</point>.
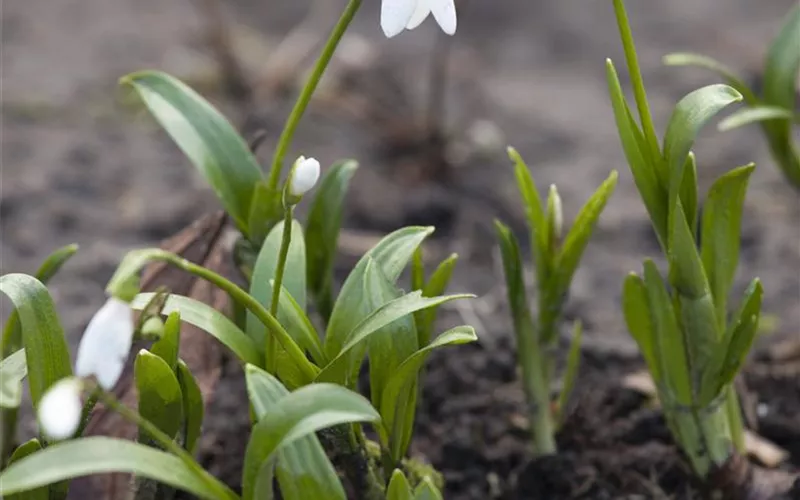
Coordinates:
<point>297,415</point>
<point>400,391</point>
<point>783,63</point>
<point>688,193</point>
<point>209,141</point>
<point>537,220</point>
<point>653,194</point>
<point>722,220</point>
<point>13,370</point>
<point>688,117</point>
<point>299,326</point>
<point>100,455</point>
<point>686,268</point>
<point>262,217</point>
<point>399,489</point>
<point>571,371</point>
<point>168,345</point>
<point>209,320</point>
<point>639,319</point>
<point>689,59</point>
<point>391,255</point>
<point>160,397</point>
<point>24,450</point>
<point>46,351</point>
<point>385,315</point>
<point>193,407</point>
<point>436,285</point>
<point>294,278</point>
<point>755,114</point>
<point>670,344</point>
<point>303,467</point>
<point>426,490</point>
<point>417,270</point>
<point>322,232</point>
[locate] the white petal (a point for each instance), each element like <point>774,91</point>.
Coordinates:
<point>444,11</point>
<point>305,176</point>
<point>60,409</point>
<point>420,14</point>
<point>395,15</point>
<point>106,343</point>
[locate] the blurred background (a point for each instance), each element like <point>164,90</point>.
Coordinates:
<point>81,163</point>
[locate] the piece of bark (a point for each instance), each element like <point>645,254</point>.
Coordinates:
<point>202,243</point>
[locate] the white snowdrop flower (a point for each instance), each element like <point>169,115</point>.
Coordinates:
<point>305,176</point>
<point>106,343</point>
<point>398,15</point>
<point>60,409</point>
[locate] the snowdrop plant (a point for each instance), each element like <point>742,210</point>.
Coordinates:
<point>555,258</point>
<point>775,109</point>
<point>692,346</point>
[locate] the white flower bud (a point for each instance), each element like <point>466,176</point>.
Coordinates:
<point>397,15</point>
<point>305,176</point>
<point>106,343</point>
<point>60,409</point>
<point>554,214</point>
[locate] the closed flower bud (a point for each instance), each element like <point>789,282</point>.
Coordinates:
<point>106,343</point>
<point>399,15</point>
<point>60,409</point>
<point>304,176</point>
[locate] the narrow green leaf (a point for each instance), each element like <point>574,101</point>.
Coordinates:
<point>294,278</point>
<point>537,220</point>
<point>209,141</point>
<point>168,345</point>
<point>299,326</point>
<point>160,397</point>
<point>399,489</point>
<point>299,414</point>
<point>783,63</point>
<point>426,490</point>
<point>303,468</point>
<point>262,217</point>
<point>46,351</point>
<point>436,285</point>
<point>193,407</point>
<point>639,319</point>
<point>688,193</point>
<point>722,220</point>
<point>686,268</point>
<point>688,117</point>
<point>392,255</point>
<point>13,370</point>
<point>400,391</point>
<point>513,270</point>
<point>571,370</point>
<point>743,332</point>
<point>653,194</point>
<point>755,114</point>
<point>24,450</point>
<point>689,59</point>
<point>670,345</point>
<point>100,455</point>
<point>322,232</point>
<point>209,320</point>
<point>417,270</point>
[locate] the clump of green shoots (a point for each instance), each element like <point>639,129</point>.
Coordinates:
<point>775,108</point>
<point>556,259</point>
<point>692,348</point>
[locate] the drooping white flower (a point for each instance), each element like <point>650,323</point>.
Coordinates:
<point>398,15</point>
<point>106,343</point>
<point>305,176</point>
<point>60,409</point>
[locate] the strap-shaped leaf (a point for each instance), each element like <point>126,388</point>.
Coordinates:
<point>46,351</point>
<point>265,212</point>
<point>783,63</point>
<point>297,415</point>
<point>426,490</point>
<point>400,392</point>
<point>193,407</point>
<point>634,146</point>
<point>670,343</point>
<point>398,488</point>
<point>722,220</point>
<point>303,468</point>
<point>28,448</point>
<point>299,326</point>
<point>755,114</point>
<point>392,255</point>
<point>688,192</point>
<point>688,117</point>
<point>436,285</point>
<point>639,319</point>
<point>537,220</point>
<point>101,455</point>
<point>208,139</point>
<point>13,370</point>
<point>294,277</point>
<point>168,345</point>
<point>571,370</point>
<point>160,396</point>
<point>689,59</point>
<point>322,232</point>
<point>209,320</point>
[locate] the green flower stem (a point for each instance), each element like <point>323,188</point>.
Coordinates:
<point>214,485</point>
<point>308,91</point>
<point>272,346</point>
<point>536,384</point>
